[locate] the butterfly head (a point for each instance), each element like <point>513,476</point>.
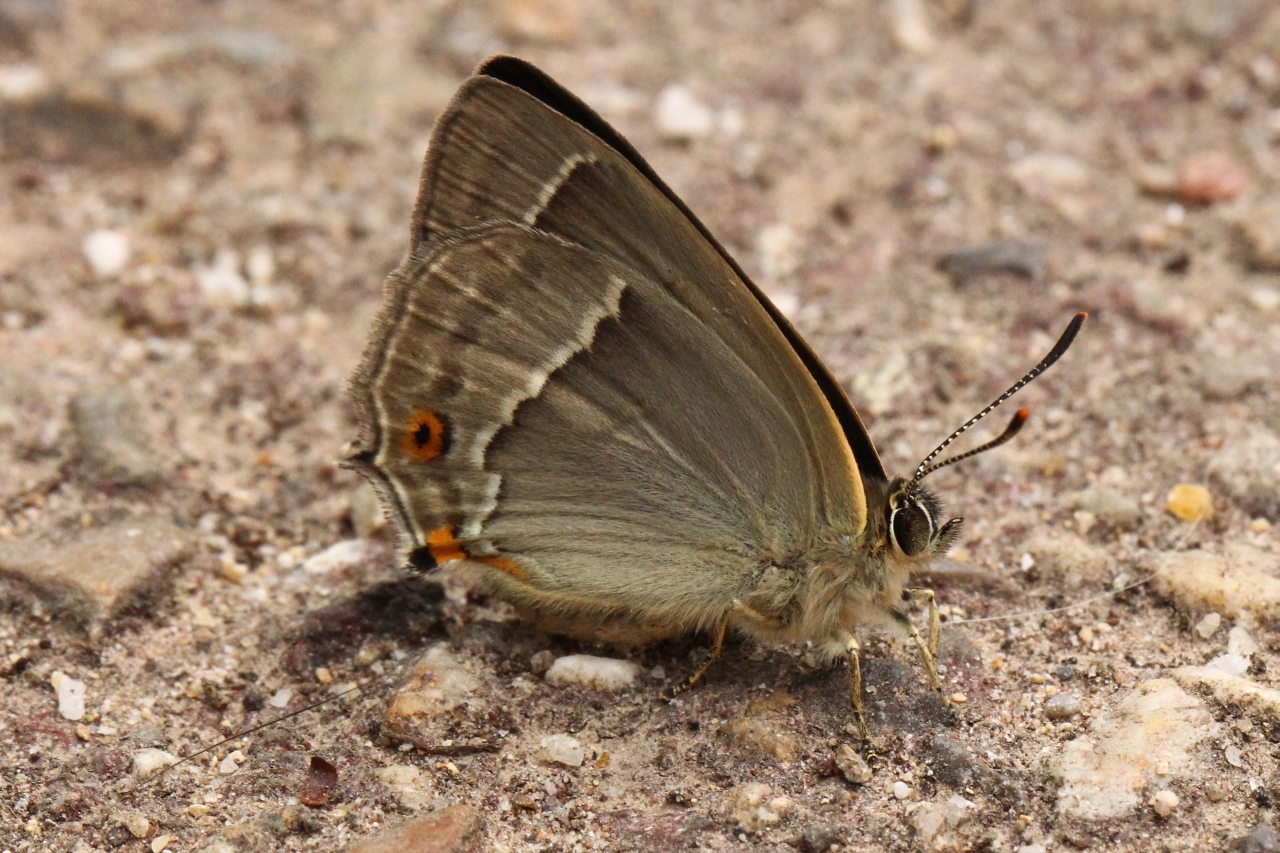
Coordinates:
<point>915,524</point>
<point>913,520</point>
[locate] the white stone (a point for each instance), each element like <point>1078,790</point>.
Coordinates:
<point>340,555</point>
<point>147,762</point>
<point>911,27</point>
<point>1209,625</point>
<point>1164,803</point>
<point>1240,643</point>
<point>405,783</point>
<point>600,673</point>
<point>901,790</point>
<point>562,749</point>
<point>106,251</point>
<point>261,265</point>
<point>280,699</point>
<point>779,247</point>
<point>1239,583</point>
<point>754,807</point>
<point>138,825</point>
<point>680,115</point>
<point>1231,688</point>
<point>70,695</point>
<point>231,763</point>
<point>932,822</point>
<point>1265,298</point>
<point>22,82</point>
<point>1230,664</point>
<point>221,284</point>
<point>1105,771</point>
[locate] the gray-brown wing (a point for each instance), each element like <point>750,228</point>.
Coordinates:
<point>569,383</point>
<point>557,176</point>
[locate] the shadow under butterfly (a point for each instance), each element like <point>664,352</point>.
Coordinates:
<point>576,397</point>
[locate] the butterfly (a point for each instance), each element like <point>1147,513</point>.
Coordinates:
<point>576,397</point>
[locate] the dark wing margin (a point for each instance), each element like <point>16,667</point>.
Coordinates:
<point>533,82</point>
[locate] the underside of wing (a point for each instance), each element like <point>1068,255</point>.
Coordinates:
<point>572,382</point>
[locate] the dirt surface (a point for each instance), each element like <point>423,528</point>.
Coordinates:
<point>199,202</point>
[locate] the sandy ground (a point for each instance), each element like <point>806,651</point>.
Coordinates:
<point>199,203</point>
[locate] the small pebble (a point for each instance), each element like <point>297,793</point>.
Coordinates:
<point>280,698</point>
<point>901,790</point>
<point>1209,625</point>
<point>1233,755</point>
<point>1062,707</point>
<point>1002,256</point>
<point>1190,502</point>
<point>1154,179</point>
<point>221,284</point>
<point>1211,177</point>
<point>679,114</point>
<point>233,571</point>
<point>1264,298</point>
<point>911,30</point>
<point>70,695</point>
<point>1164,803</point>
<point>137,825</point>
<point>562,749</point>
<point>541,661</point>
<point>780,248</point>
<point>146,762</point>
<point>817,838</point>
<point>231,763</point>
<point>852,766</point>
<point>753,806</point>
<point>599,673</point>
<point>107,252</point>
<point>1215,792</point>
<point>340,555</point>
<point>160,843</point>
<point>1240,643</point>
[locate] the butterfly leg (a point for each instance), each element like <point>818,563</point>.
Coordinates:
<point>747,614</point>
<point>854,652</point>
<point>917,597</point>
<point>928,649</point>
<point>716,647</point>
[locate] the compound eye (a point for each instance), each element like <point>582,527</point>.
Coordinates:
<point>912,528</point>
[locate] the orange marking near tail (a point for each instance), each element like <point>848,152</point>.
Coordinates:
<point>507,565</point>
<point>444,546</point>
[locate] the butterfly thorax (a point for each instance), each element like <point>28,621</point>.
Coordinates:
<point>851,582</point>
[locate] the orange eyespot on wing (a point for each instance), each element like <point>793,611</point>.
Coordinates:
<point>442,546</point>
<point>425,437</point>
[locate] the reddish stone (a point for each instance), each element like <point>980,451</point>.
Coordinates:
<point>1211,177</point>
<point>457,829</point>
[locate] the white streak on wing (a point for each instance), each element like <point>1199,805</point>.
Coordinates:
<point>551,187</point>
<point>609,305</point>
